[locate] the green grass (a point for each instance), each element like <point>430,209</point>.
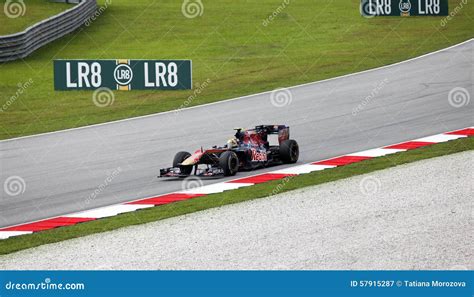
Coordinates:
<point>307,41</point>
<point>229,197</point>
<point>32,12</point>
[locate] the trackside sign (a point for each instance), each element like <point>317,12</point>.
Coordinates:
<point>122,74</point>
<point>369,8</point>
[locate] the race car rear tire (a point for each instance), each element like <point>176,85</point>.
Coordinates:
<point>289,151</point>
<point>178,159</point>
<point>229,162</point>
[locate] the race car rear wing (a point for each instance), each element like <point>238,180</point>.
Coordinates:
<point>282,131</point>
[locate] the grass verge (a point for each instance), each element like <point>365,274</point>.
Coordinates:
<point>244,194</point>
<point>234,46</point>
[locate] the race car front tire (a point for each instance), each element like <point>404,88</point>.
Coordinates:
<point>289,151</point>
<point>178,159</point>
<point>229,162</point>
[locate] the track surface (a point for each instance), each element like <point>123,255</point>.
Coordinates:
<point>62,170</point>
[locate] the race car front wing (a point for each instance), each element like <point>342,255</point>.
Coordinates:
<point>209,171</point>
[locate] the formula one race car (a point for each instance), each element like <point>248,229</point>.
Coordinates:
<point>247,150</point>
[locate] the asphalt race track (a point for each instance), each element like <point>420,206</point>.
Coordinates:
<point>329,118</point>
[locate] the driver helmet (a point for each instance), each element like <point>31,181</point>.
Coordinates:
<point>233,142</point>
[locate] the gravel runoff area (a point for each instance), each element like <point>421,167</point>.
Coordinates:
<point>415,216</point>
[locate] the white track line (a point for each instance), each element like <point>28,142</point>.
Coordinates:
<point>215,188</point>
<point>378,152</point>
<point>439,138</point>
<point>108,211</point>
<point>302,169</point>
<point>243,97</point>
<point>6,234</point>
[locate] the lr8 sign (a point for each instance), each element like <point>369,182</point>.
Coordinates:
<point>369,8</point>
<point>122,74</point>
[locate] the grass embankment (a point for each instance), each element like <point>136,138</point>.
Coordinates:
<point>229,45</point>
<point>248,193</point>
<point>21,16</point>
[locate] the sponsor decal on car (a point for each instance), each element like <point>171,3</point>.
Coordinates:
<point>258,156</point>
